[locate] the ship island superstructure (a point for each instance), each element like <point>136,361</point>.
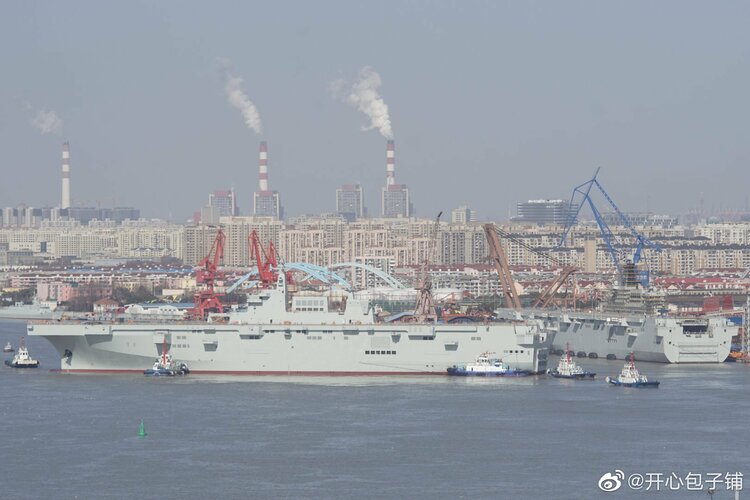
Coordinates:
<point>281,333</point>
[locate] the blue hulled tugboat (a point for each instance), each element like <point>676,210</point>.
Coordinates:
<point>567,368</point>
<point>630,377</point>
<point>485,366</point>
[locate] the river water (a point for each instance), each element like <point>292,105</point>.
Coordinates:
<point>76,436</point>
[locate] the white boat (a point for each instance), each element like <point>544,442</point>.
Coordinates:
<point>8,347</point>
<point>167,366</point>
<point>22,358</point>
<point>567,368</point>
<point>486,366</point>
<point>631,377</point>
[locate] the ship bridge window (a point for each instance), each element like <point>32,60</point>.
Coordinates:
<point>695,328</point>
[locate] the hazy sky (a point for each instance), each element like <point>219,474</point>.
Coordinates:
<point>490,102</point>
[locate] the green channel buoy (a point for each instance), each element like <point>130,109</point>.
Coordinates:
<point>142,430</point>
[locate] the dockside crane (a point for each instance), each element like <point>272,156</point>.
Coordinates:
<point>548,295</point>
<point>500,261</point>
<point>424,311</point>
<point>263,262</point>
<point>266,261</point>
<point>206,274</point>
<point>625,265</point>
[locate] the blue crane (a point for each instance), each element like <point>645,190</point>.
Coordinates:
<point>615,246</point>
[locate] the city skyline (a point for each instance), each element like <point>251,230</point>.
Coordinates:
<point>515,118</point>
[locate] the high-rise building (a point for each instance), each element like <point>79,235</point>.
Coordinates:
<point>84,215</point>
<point>350,202</point>
<point>265,201</point>
<point>121,214</point>
<point>544,212</point>
<point>209,215</point>
<point>395,201</point>
<point>462,215</point>
<point>223,202</point>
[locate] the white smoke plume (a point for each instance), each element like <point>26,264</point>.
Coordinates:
<point>363,94</point>
<point>48,122</point>
<point>238,98</point>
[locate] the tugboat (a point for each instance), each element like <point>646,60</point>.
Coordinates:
<point>22,358</point>
<point>8,348</point>
<point>485,366</point>
<point>630,377</point>
<point>166,366</point>
<point>567,368</point>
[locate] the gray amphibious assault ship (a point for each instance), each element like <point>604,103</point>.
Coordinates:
<point>282,333</point>
<point>631,322</point>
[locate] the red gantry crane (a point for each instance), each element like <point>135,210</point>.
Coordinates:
<point>266,261</point>
<point>266,273</point>
<point>207,273</point>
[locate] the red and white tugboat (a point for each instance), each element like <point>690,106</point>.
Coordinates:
<point>630,377</point>
<point>166,366</point>
<point>22,358</point>
<point>567,368</point>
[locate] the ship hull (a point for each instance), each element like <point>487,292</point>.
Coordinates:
<point>515,373</point>
<point>635,385</point>
<point>21,365</point>
<point>291,349</point>
<point>580,376</point>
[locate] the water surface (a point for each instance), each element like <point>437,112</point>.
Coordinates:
<point>75,436</point>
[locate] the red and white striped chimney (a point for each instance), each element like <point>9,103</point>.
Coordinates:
<point>263,182</point>
<point>390,166</point>
<point>65,176</point>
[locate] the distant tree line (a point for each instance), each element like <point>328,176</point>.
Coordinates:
<point>10,298</point>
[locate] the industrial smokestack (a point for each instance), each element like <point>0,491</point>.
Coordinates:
<point>65,176</point>
<point>263,182</point>
<point>390,166</point>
